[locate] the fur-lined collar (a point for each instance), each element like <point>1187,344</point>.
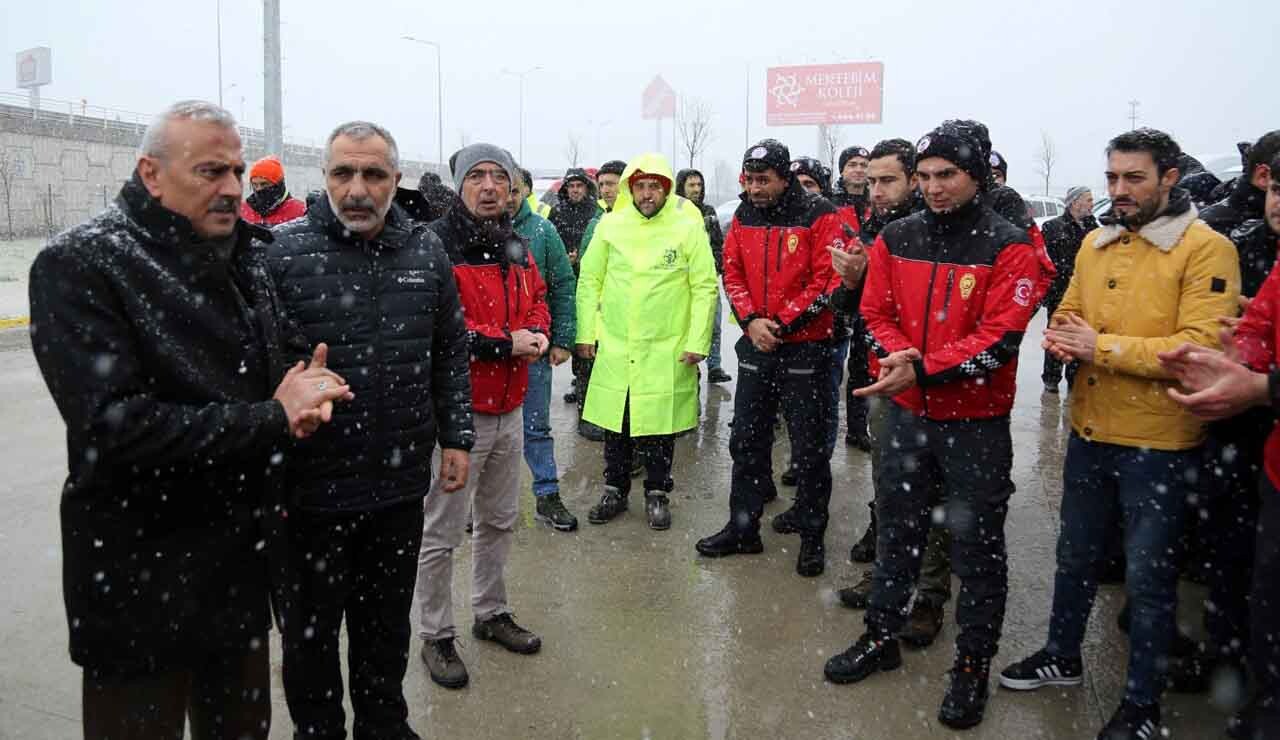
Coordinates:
<point>1165,232</point>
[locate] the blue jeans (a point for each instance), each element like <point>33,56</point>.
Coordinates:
<point>539,449</point>
<point>1150,488</point>
<point>713,359</point>
<point>839,352</point>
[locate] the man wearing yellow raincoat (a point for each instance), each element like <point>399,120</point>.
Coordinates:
<point>646,296</point>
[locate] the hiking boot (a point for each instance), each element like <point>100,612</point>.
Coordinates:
<point>1042,669</point>
<point>861,441</point>
<point>550,510</point>
<point>785,523</point>
<point>503,630</point>
<point>729,541</point>
<point>872,653</point>
<point>865,549</point>
<point>967,690</point>
<point>716,375</point>
<point>612,503</point>
<point>812,559</point>
<point>1132,722</point>
<point>923,625</point>
<point>443,664</point>
<point>589,431</point>
<point>657,509</point>
<point>571,396</point>
<point>637,469</point>
<point>857,596</point>
<point>791,477</point>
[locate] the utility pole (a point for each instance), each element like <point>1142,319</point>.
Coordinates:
<point>218,7</point>
<point>1133,114</point>
<point>746,119</point>
<point>520,76</point>
<point>439,98</point>
<point>272,91</point>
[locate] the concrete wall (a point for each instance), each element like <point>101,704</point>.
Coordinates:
<point>62,171</point>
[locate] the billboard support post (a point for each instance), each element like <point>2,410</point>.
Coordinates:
<point>35,69</point>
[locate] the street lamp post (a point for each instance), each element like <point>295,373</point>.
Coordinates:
<point>439,96</point>
<point>520,76</point>
<point>219,12</point>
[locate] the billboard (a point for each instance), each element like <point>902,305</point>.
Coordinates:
<point>824,94</point>
<point>35,67</point>
<point>658,100</point>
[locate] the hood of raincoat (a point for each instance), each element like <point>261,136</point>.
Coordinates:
<point>683,176</point>
<point>650,164</point>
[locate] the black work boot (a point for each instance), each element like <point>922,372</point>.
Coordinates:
<point>812,559</point>
<point>657,509</point>
<point>612,503</point>
<point>857,596</point>
<point>550,510</point>
<point>923,625</point>
<point>791,476</point>
<point>443,664</point>
<point>966,697</point>
<point>717,375</point>
<point>503,630</point>
<point>729,541</point>
<point>865,549</point>
<point>785,523</point>
<point>1132,722</point>
<point>589,431</point>
<point>872,653</point>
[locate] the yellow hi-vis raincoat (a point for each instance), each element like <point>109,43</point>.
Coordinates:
<point>646,294</point>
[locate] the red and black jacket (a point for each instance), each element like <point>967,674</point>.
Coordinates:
<point>776,264</point>
<point>960,288</point>
<point>501,291</point>
<point>856,207</point>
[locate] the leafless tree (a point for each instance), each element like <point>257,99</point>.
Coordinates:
<point>7,173</point>
<point>694,124</point>
<point>573,149</point>
<point>830,138</point>
<point>1045,158</point>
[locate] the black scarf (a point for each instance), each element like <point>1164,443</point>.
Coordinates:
<point>266,200</point>
<point>487,239</point>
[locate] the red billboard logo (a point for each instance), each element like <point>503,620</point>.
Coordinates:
<point>825,94</point>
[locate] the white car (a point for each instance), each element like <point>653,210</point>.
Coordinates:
<point>1041,208</point>
<point>724,213</point>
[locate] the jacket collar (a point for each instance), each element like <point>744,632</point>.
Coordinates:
<point>1165,231</point>
<point>474,238</point>
<point>172,229</point>
<point>789,202</point>
<point>395,232</point>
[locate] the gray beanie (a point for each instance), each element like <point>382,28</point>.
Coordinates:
<point>1075,194</point>
<point>468,157</point>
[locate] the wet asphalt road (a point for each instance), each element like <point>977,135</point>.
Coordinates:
<point>642,638</point>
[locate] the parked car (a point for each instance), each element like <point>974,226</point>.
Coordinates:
<point>724,212</point>
<point>1041,208</point>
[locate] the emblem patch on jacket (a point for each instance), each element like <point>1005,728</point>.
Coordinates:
<point>1022,291</point>
<point>793,242</point>
<point>967,284</point>
<point>1218,285</point>
<point>669,258</point>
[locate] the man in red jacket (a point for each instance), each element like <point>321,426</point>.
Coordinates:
<point>1222,385</point>
<point>508,324</point>
<point>778,277</point>
<point>948,294</point>
<point>270,203</point>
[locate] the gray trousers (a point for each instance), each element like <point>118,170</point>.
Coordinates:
<point>492,493</point>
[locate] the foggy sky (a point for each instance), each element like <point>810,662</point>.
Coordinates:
<point>1021,67</point>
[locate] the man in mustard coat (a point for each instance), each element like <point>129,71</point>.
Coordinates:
<point>646,295</point>
<point>1152,278</point>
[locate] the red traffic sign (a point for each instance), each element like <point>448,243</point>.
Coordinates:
<point>658,100</point>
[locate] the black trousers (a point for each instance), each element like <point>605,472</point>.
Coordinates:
<point>581,368</point>
<point>361,565</point>
<point>656,454</point>
<point>226,697</point>
<point>859,377</point>
<point>1264,644</point>
<point>971,460</point>
<point>797,378</point>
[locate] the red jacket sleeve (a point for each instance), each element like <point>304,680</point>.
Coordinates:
<point>735,279</point>
<point>1255,335</point>
<point>879,309</point>
<point>1012,296</point>
<point>814,298</point>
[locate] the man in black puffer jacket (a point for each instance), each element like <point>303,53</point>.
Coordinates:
<point>160,336</point>
<point>1246,200</point>
<point>358,274</point>
<point>1063,236</point>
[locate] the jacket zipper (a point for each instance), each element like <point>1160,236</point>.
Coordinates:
<point>946,298</point>
<point>506,319</point>
<point>924,340</point>
<point>375,315</point>
<point>768,232</point>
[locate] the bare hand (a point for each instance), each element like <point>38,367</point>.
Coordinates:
<point>1219,386</point>
<point>1071,336</point>
<point>763,334</point>
<point>901,357</point>
<point>849,265</point>
<point>586,351</point>
<point>689,358</point>
<point>559,356</point>
<point>307,393</point>
<point>524,343</point>
<point>455,465</point>
<point>894,379</point>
